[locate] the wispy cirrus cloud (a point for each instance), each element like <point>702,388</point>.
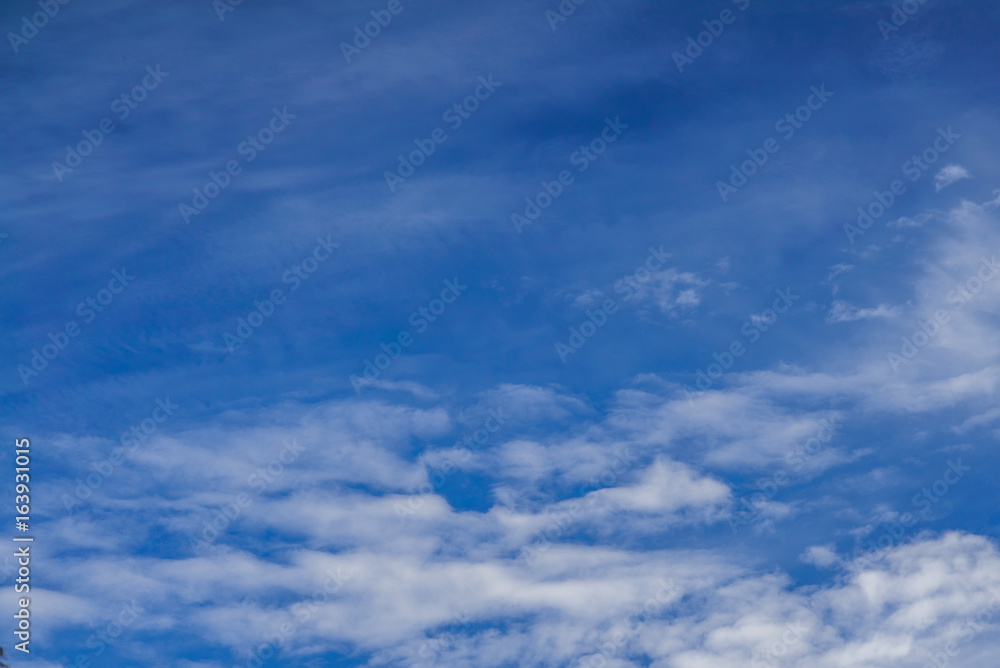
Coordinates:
<point>841,311</point>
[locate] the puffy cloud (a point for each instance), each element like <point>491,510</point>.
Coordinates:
<point>949,175</point>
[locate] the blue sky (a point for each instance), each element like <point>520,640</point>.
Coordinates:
<point>733,406</point>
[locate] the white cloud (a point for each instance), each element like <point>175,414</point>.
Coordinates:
<point>669,289</point>
<point>823,556</point>
<point>890,611</point>
<point>529,403</point>
<point>837,269</point>
<point>666,486</point>
<point>904,222</point>
<point>647,465</point>
<point>841,311</point>
<point>588,298</point>
<point>416,389</point>
<point>980,420</point>
<point>726,429</point>
<point>949,175</point>
<point>409,579</point>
